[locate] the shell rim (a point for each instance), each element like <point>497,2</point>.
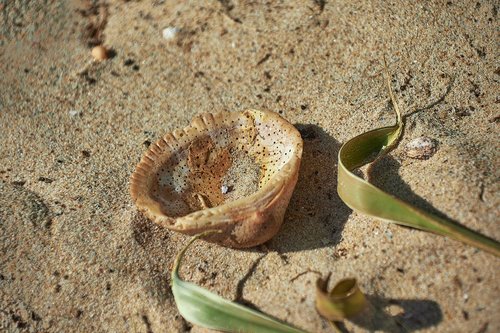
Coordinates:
<point>228,212</point>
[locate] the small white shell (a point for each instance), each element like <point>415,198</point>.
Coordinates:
<point>421,148</point>
<point>180,180</point>
<point>169,33</point>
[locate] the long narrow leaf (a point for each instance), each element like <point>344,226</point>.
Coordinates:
<point>204,308</point>
<point>368,199</point>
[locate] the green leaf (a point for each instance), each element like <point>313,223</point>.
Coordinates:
<point>343,301</point>
<point>368,199</point>
<point>204,308</point>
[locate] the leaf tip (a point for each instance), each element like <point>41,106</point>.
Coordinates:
<point>343,301</point>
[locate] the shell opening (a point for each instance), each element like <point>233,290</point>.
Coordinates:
<point>218,159</point>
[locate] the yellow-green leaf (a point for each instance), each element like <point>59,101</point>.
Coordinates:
<point>204,308</point>
<point>368,199</point>
<point>343,301</point>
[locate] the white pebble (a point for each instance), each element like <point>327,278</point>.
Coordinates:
<point>224,189</point>
<point>74,113</point>
<point>170,33</point>
<point>421,148</point>
<point>388,234</point>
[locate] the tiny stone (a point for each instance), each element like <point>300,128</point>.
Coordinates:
<point>169,33</point>
<point>421,148</point>
<point>45,180</point>
<point>224,189</point>
<point>100,53</point>
<point>74,113</point>
<point>388,234</point>
<point>395,310</point>
<point>129,62</point>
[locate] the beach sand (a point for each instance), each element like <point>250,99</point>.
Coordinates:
<point>75,254</point>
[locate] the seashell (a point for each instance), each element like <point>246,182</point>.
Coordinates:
<point>230,171</point>
<point>421,148</point>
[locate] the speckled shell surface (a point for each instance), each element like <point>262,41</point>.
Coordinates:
<point>182,180</point>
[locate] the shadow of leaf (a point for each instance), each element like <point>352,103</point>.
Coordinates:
<point>407,315</point>
<point>384,175</point>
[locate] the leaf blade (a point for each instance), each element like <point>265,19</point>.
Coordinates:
<point>343,301</point>
<point>204,308</point>
<point>364,197</point>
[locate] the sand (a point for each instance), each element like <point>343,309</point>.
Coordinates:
<point>77,257</point>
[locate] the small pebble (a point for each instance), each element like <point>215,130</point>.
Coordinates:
<point>224,189</point>
<point>74,113</point>
<point>129,62</point>
<point>100,53</point>
<point>170,33</point>
<point>45,180</point>
<point>388,234</point>
<point>395,310</point>
<point>421,148</point>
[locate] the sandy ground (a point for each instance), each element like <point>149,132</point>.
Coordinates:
<point>77,257</point>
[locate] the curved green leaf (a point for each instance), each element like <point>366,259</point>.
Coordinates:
<point>204,308</point>
<point>343,301</point>
<point>368,199</point>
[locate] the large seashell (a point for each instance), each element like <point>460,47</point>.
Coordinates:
<point>230,171</point>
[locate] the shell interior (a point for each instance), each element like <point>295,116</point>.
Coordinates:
<point>227,157</point>
<point>218,159</point>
